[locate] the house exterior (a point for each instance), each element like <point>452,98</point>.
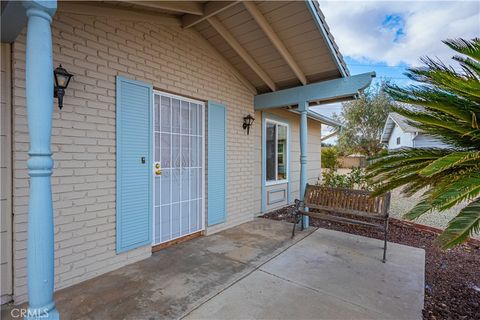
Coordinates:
<point>149,146</point>
<point>397,133</point>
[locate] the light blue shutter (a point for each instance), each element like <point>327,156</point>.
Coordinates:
<point>134,178</point>
<point>217,162</point>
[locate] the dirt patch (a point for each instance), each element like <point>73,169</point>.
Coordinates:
<point>452,278</point>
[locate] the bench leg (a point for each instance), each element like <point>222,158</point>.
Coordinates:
<point>294,225</point>
<point>385,241</point>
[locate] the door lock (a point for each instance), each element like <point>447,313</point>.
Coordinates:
<point>158,170</point>
<point>142,159</point>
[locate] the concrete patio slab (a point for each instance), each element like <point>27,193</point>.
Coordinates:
<point>328,275</point>
<point>177,279</point>
<point>349,267</point>
<point>256,270</point>
<point>261,295</point>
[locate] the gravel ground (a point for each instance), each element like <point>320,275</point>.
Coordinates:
<point>400,204</point>
<point>452,278</point>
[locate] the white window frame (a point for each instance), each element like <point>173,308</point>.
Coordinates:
<point>286,153</point>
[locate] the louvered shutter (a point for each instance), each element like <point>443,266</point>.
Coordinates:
<point>134,164</point>
<point>217,163</point>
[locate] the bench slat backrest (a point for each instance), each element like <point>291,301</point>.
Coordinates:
<point>346,201</point>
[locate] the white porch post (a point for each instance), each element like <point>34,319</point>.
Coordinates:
<point>303,108</point>
<point>39,92</point>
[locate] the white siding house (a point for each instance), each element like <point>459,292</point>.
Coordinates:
<point>397,133</point>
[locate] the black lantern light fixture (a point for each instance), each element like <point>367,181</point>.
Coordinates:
<point>247,123</point>
<point>62,78</point>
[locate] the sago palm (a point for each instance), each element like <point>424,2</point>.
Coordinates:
<point>444,104</point>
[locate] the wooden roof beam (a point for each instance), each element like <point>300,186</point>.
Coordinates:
<point>325,91</point>
<point>189,7</point>
<point>230,39</point>
<point>210,9</point>
<point>272,35</point>
<point>222,59</point>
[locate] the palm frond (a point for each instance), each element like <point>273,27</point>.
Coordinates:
<point>416,186</point>
<point>445,104</point>
<point>463,188</point>
<point>382,188</point>
<point>465,224</point>
<point>420,119</point>
<point>469,66</point>
<point>420,208</point>
<point>449,161</point>
<point>446,78</point>
<point>436,100</point>
<point>468,48</point>
<point>406,155</point>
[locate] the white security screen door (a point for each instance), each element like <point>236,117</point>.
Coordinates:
<point>178,167</point>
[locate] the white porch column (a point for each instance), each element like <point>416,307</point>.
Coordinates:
<point>303,108</point>
<point>39,92</point>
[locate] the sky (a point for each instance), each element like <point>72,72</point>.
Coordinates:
<point>389,36</point>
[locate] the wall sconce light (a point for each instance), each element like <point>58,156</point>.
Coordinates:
<point>62,78</point>
<point>247,123</point>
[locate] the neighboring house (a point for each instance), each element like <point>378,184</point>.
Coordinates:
<point>150,144</point>
<point>397,133</point>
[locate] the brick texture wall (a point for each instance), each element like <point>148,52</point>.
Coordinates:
<point>96,49</point>
<point>5,176</point>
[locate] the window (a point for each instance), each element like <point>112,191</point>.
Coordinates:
<point>398,140</point>
<point>276,151</point>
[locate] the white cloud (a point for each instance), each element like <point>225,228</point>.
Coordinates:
<point>358,30</point>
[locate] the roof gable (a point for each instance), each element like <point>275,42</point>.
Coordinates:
<point>395,119</point>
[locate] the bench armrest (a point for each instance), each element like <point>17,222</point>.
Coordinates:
<point>298,204</point>
<point>294,210</point>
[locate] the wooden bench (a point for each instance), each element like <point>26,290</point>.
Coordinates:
<point>327,203</point>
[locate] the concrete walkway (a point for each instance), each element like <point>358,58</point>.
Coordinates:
<point>327,275</point>
<point>256,271</point>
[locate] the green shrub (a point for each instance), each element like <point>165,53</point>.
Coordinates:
<point>329,158</point>
<point>358,176</point>
<point>333,179</point>
<point>355,179</point>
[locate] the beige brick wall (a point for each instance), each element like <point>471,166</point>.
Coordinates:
<point>96,49</point>
<point>5,176</point>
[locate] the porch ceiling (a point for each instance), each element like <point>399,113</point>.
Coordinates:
<point>273,44</point>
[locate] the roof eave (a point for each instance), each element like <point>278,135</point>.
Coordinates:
<point>13,19</point>
<point>314,8</point>
<point>319,118</point>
